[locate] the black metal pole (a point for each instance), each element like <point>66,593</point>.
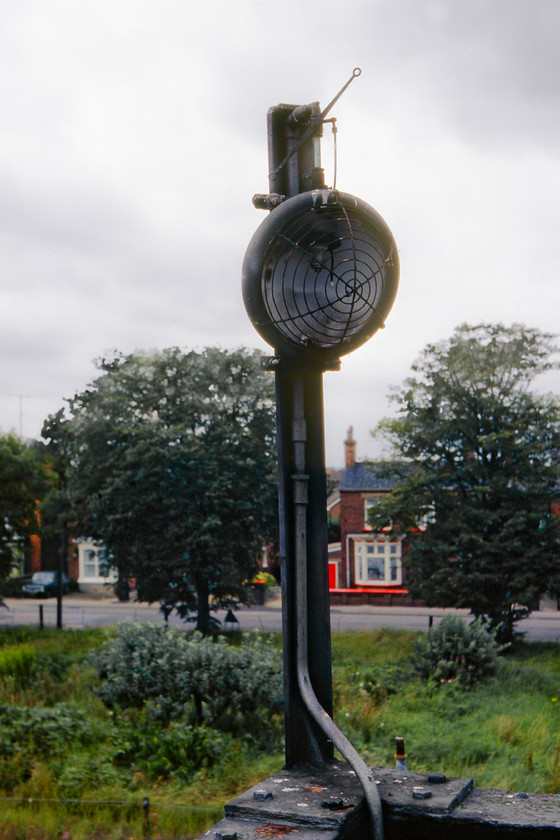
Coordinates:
<point>286,305</point>
<point>61,563</point>
<point>305,741</point>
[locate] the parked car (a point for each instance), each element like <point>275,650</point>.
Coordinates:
<point>13,586</point>
<point>43,585</point>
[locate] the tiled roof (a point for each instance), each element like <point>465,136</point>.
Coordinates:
<point>362,478</point>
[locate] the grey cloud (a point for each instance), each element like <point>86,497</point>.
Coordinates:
<point>135,134</point>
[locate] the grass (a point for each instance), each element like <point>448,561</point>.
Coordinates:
<point>504,733</point>
<point>44,820</point>
<point>78,792</point>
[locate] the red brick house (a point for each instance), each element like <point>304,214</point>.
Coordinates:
<point>365,567</point>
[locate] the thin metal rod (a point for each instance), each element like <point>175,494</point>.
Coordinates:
<point>324,721</point>
<point>314,123</point>
<point>355,73</point>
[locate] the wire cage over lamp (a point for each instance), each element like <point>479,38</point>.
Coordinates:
<point>320,275</point>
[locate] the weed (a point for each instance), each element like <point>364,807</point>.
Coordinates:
<point>58,741</point>
<point>506,727</point>
<point>17,662</point>
<point>553,781</point>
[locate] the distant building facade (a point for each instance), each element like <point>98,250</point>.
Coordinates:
<point>365,567</point>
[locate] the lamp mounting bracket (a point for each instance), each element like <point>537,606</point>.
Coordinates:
<point>314,121</point>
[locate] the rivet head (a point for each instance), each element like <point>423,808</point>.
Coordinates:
<point>334,804</point>
<point>437,778</point>
<point>421,793</point>
<point>262,795</point>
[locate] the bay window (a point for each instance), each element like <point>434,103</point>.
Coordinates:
<point>378,560</point>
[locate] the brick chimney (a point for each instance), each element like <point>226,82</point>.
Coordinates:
<point>350,445</point>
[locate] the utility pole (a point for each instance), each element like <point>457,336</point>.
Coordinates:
<point>21,398</point>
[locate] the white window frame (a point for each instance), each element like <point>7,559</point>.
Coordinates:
<point>93,555</point>
<point>381,548</point>
<point>369,503</point>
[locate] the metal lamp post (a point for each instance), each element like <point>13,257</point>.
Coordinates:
<point>319,276</point>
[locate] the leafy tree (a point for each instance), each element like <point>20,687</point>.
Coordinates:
<point>170,464</point>
<point>24,480</point>
<point>478,451</point>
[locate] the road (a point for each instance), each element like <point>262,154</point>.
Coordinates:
<point>79,611</point>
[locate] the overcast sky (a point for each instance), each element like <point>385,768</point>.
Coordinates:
<point>133,136</point>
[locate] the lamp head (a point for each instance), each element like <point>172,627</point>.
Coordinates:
<point>320,275</point>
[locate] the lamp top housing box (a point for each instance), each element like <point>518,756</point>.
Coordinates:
<point>320,275</point>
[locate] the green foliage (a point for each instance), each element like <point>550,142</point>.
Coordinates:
<point>24,481</point>
<point>44,731</point>
<point>17,662</point>
<point>374,662</point>
<point>178,751</point>
<point>83,771</point>
<point>52,664</point>
<point>478,473</point>
<point>232,688</point>
<point>81,753</point>
<point>503,732</point>
<point>266,578</point>
<point>169,461</point>
<point>384,680</point>
<point>383,646</point>
<point>73,643</point>
<point>455,650</point>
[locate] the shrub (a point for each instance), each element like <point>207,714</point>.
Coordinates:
<point>29,735</point>
<point>266,578</point>
<point>53,664</point>
<point>46,731</point>
<point>85,771</point>
<point>17,662</point>
<point>456,651</point>
<point>384,680</point>
<point>176,752</point>
<point>217,684</point>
